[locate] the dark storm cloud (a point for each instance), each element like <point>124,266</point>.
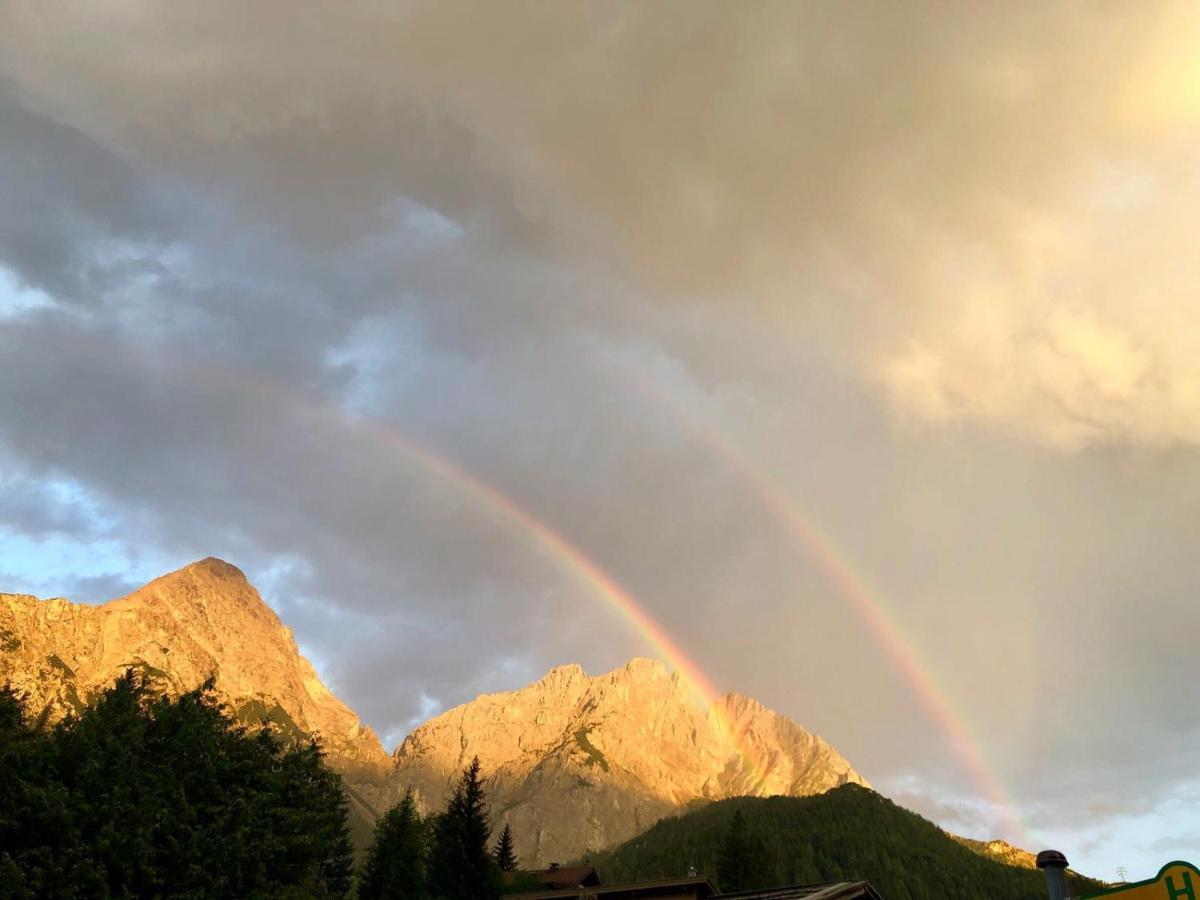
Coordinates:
<point>78,216</point>
<point>930,270</point>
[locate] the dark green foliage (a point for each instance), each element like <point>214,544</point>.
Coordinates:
<point>741,858</point>
<point>255,713</point>
<point>506,856</point>
<point>848,833</point>
<point>594,756</point>
<point>460,866</point>
<point>147,796</point>
<point>395,865</point>
<point>12,716</point>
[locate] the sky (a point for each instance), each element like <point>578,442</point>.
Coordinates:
<point>858,342</point>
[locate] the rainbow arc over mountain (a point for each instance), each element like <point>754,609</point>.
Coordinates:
<point>754,770</point>
<point>806,537</point>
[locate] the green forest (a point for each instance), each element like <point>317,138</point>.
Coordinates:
<point>141,795</point>
<point>850,833</point>
<point>144,795</point>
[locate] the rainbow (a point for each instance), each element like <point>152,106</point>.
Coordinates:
<point>551,542</point>
<point>584,569</point>
<point>888,633</point>
<point>835,566</point>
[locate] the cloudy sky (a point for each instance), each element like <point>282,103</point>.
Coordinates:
<point>670,277</point>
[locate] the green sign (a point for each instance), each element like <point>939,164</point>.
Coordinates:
<point>1175,881</point>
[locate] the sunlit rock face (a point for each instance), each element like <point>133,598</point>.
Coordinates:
<point>203,620</point>
<point>576,763</point>
<point>1002,851</point>
<point>572,762</point>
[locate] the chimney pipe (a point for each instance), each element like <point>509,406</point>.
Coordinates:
<point>1054,864</point>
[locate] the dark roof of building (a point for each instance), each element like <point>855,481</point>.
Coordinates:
<point>703,886</point>
<point>832,890</point>
<point>560,877</point>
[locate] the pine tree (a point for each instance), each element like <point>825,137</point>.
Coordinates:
<point>460,866</point>
<point>733,862</point>
<point>395,864</point>
<point>506,857</point>
<point>141,795</point>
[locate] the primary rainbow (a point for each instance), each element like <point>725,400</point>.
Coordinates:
<point>586,571</point>
<point>549,541</point>
<point>832,563</point>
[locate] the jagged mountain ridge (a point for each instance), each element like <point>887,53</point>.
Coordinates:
<point>578,763</point>
<point>200,621</point>
<point>573,762</point>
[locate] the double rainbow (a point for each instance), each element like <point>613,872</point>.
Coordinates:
<point>812,544</point>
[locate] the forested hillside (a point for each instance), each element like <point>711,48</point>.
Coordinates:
<point>144,795</point>
<point>848,833</point>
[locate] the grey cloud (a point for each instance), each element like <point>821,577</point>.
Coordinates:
<point>587,254</point>
<point>954,189</point>
<point>81,216</point>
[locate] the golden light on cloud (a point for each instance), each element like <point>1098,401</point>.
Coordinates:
<point>1163,93</point>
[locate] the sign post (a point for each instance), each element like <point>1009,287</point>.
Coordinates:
<point>1174,881</point>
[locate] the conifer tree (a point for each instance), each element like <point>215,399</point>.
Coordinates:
<point>142,796</point>
<point>395,864</point>
<point>733,862</point>
<point>506,857</point>
<point>460,866</point>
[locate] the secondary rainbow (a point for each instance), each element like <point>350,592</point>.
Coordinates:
<point>867,604</point>
<point>888,633</point>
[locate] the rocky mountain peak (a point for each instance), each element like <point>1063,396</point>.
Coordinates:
<point>215,568</point>
<point>642,667</point>
<point>209,586</point>
<point>203,620</point>
<point>562,678</point>
<point>575,762</point>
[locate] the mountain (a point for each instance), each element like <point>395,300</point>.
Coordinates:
<point>203,620</point>
<point>1000,850</point>
<point>576,763</point>
<point>848,832</point>
<point>573,763</point>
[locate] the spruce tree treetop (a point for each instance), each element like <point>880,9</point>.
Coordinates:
<point>733,861</point>
<point>395,865</point>
<point>461,867</point>
<point>506,857</point>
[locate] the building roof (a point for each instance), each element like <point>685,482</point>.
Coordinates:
<point>832,890</point>
<point>558,877</point>
<point>703,887</point>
